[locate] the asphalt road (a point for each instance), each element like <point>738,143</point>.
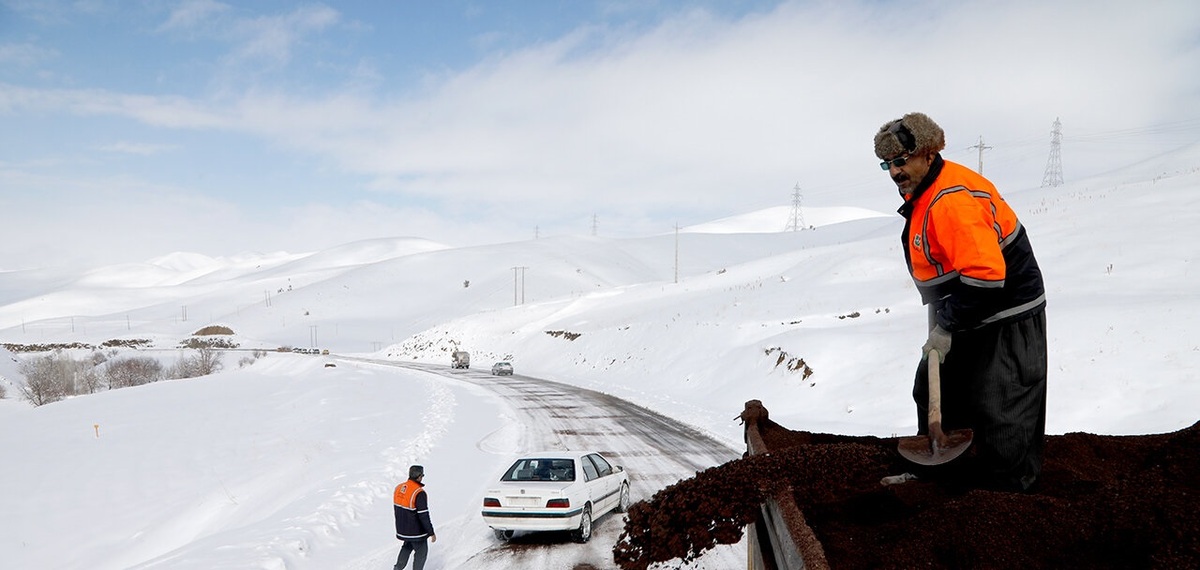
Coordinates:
<point>657,451</point>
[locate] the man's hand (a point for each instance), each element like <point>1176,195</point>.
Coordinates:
<point>433,538</point>
<point>939,340</point>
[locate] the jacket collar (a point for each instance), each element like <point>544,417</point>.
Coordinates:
<point>935,170</point>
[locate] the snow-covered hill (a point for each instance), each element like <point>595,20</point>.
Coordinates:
<point>823,325</point>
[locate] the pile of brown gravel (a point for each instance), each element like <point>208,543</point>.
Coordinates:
<point>1101,502</point>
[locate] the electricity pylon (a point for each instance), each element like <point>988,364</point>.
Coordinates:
<point>1053,176</point>
<point>796,222</point>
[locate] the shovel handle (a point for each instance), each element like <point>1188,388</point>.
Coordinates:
<point>936,435</point>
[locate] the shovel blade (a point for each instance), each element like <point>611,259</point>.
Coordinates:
<point>920,448</point>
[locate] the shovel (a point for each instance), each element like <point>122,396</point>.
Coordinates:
<point>937,447</point>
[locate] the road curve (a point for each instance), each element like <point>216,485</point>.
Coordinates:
<point>657,451</point>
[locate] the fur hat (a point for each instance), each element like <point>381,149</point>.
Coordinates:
<point>415,471</point>
<point>912,134</point>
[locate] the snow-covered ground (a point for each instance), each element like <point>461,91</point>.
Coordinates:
<point>286,463</point>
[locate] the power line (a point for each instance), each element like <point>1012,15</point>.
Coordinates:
<point>1188,128</point>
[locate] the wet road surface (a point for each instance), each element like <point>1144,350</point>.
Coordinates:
<point>655,450</point>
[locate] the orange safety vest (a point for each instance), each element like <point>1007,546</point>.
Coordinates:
<point>405,495</point>
<point>411,511</point>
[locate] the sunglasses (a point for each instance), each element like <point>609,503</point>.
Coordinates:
<point>897,162</point>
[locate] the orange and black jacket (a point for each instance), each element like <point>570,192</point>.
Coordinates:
<point>967,252</point>
<point>412,511</point>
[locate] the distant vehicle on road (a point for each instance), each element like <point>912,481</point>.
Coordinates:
<point>502,369</point>
<point>460,359</point>
<point>555,490</point>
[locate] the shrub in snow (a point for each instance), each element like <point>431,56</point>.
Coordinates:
<point>133,371</point>
<point>206,361</point>
<point>198,342</point>
<point>48,379</point>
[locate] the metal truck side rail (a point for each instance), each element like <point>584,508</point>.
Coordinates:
<point>780,539</point>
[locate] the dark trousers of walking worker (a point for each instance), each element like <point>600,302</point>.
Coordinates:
<point>418,549</point>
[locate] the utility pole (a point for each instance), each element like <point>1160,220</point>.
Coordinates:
<point>796,222</point>
<point>1054,176</point>
<point>981,148</point>
<point>312,335</point>
<point>677,252</point>
<point>522,281</point>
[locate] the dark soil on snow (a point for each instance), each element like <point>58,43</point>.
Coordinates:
<point>1101,502</point>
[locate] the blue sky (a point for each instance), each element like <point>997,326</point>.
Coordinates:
<point>133,129</point>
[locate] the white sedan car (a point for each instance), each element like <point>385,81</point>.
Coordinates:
<point>555,490</point>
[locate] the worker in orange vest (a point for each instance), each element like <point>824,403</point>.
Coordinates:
<point>412,519</point>
<point>973,264</point>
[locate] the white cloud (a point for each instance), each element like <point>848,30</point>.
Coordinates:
<point>698,118</point>
<point>143,149</point>
<point>707,108</point>
<point>271,39</point>
<point>25,54</point>
<point>191,14</point>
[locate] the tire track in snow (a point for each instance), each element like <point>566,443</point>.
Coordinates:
<point>350,502</point>
<point>289,541</point>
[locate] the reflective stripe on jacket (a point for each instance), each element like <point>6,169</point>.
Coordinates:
<point>967,251</point>
<point>411,507</point>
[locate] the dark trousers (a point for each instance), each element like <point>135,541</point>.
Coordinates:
<point>994,382</point>
<point>420,550</point>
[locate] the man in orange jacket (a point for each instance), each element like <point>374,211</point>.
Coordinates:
<point>413,525</point>
<point>974,266</point>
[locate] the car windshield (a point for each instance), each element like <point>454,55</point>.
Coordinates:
<point>541,469</point>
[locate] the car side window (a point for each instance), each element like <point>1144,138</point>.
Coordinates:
<point>589,470</point>
<point>602,466</point>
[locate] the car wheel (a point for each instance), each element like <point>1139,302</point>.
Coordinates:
<point>503,534</point>
<point>584,532</point>
<point>623,504</point>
